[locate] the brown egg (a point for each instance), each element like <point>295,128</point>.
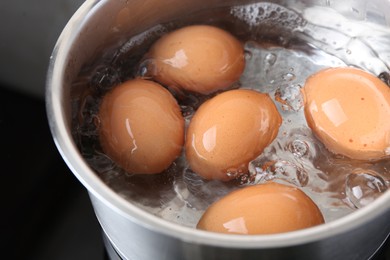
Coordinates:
<point>230,130</point>
<point>349,111</point>
<point>141,126</point>
<point>261,209</point>
<point>198,58</point>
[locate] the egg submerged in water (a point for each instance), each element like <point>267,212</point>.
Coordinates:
<point>197,58</point>
<point>261,209</point>
<point>141,126</point>
<point>348,109</point>
<point>230,130</point>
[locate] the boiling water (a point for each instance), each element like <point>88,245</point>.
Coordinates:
<point>282,49</point>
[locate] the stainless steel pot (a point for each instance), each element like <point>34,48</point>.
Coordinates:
<point>136,234</point>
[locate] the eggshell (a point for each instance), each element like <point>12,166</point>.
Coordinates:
<point>198,58</point>
<point>349,111</point>
<point>141,126</point>
<point>230,130</point>
<point>261,209</point>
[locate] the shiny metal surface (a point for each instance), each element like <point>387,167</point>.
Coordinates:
<point>137,234</point>
<point>112,254</point>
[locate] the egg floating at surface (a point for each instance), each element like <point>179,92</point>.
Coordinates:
<point>230,130</point>
<point>141,126</point>
<point>349,111</point>
<point>198,58</point>
<point>261,209</point>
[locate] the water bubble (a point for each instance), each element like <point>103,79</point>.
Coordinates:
<point>147,69</point>
<point>273,14</point>
<point>231,174</point>
<point>270,59</point>
<point>281,170</point>
<point>248,55</point>
<point>299,148</point>
<point>284,15</point>
<point>363,187</point>
<point>292,173</point>
<point>245,179</point>
<point>143,71</point>
<point>283,40</point>
<point>187,111</point>
<point>290,97</point>
<point>288,76</point>
<point>267,13</point>
<point>234,172</point>
<point>104,78</point>
<point>260,173</point>
<point>260,11</point>
<point>385,77</point>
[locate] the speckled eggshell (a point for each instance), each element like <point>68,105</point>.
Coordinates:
<point>349,111</point>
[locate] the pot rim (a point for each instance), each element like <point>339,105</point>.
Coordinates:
<point>97,188</point>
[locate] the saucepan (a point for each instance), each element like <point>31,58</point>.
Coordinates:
<point>121,31</point>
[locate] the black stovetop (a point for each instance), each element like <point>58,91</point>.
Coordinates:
<point>46,213</point>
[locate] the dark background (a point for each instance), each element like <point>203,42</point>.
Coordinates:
<point>46,213</point>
